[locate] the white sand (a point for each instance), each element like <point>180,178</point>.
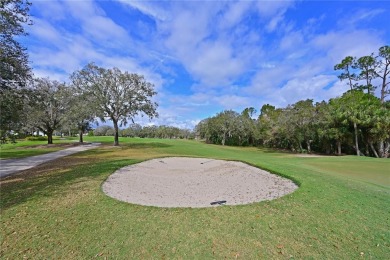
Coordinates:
<point>194,182</point>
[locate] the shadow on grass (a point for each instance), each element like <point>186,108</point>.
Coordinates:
<point>274,150</point>
<point>52,179</point>
<point>145,145</point>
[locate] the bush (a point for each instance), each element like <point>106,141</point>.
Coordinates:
<point>90,133</point>
<point>36,138</point>
<point>102,130</point>
<point>110,132</point>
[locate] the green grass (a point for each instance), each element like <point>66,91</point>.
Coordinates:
<point>24,148</point>
<point>340,211</point>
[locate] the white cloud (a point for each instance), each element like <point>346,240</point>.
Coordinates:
<point>234,13</point>
<point>53,10</point>
<point>148,8</point>
<point>362,15</point>
<point>274,23</point>
<point>234,54</point>
<point>268,8</point>
<point>339,44</point>
<point>46,32</point>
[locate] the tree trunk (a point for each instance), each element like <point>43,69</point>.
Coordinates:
<point>373,149</point>
<point>381,148</point>
<point>338,147</point>
<point>300,147</point>
<point>81,136</point>
<point>308,146</point>
<point>356,139</point>
<point>386,150</point>
<point>383,90</point>
<point>49,137</point>
<point>116,138</point>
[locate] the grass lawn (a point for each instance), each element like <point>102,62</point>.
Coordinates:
<point>23,148</point>
<point>57,210</point>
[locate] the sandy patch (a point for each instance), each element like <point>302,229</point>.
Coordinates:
<point>309,155</point>
<point>194,182</point>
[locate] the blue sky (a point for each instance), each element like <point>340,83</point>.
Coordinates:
<point>207,56</point>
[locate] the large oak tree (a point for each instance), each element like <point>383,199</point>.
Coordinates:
<point>118,96</point>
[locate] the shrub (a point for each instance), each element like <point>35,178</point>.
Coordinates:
<point>36,138</point>
<point>102,130</point>
<point>110,132</point>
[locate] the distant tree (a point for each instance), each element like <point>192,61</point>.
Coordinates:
<point>367,66</point>
<point>81,113</point>
<point>303,118</point>
<point>134,130</point>
<point>102,130</point>
<point>119,95</point>
<point>384,71</point>
<point>47,106</point>
<point>346,66</point>
<point>248,131</point>
<point>267,126</point>
<point>149,131</point>
<point>186,134</point>
<point>332,126</point>
<point>224,127</point>
<point>202,130</point>
<point>375,125</point>
<point>353,107</point>
<point>110,132</point>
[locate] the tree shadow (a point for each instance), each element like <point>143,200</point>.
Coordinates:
<point>146,145</point>
<point>54,178</point>
<point>274,150</point>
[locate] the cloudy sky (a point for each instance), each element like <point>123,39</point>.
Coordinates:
<point>207,56</point>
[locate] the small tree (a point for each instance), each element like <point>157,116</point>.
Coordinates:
<point>119,96</point>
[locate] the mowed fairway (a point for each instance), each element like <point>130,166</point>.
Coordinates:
<point>58,210</point>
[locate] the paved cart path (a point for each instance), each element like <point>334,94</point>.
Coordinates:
<point>11,166</point>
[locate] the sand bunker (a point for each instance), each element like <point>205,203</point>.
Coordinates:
<point>194,182</point>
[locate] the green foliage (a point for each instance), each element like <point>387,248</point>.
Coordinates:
<point>117,95</point>
<point>102,130</point>
<point>346,66</point>
<point>15,71</point>
<point>47,106</point>
<point>14,67</point>
<point>368,71</point>
<point>36,138</point>
<point>357,121</point>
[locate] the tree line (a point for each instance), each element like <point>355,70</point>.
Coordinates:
<point>29,104</point>
<point>357,122</point>
<point>94,92</point>
<point>136,130</point>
